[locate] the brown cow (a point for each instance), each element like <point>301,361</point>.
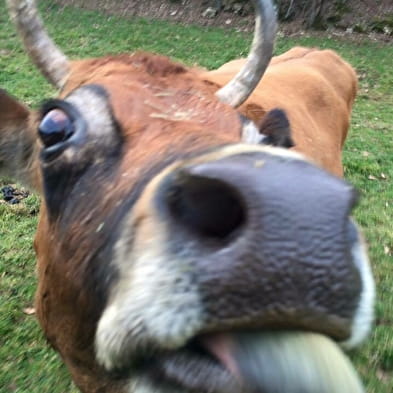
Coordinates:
<point>162,237</point>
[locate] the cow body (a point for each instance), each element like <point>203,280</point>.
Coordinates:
<point>160,231</point>
<point>319,120</point>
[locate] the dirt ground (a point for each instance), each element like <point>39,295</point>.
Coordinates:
<point>362,14</point>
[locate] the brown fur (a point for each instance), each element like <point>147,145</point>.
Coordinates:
<point>164,110</point>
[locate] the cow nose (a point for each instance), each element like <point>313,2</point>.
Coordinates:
<point>271,227</point>
<point>209,207</point>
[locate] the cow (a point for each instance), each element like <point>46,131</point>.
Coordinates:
<point>188,215</point>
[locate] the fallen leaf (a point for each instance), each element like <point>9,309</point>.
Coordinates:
<point>29,310</point>
<point>383,376</point>
<point>365,153</point>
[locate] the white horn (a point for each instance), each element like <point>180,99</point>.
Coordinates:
<point>236,91</point>
<point>45,54</point>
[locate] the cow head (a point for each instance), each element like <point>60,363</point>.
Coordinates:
<point>171,236</point>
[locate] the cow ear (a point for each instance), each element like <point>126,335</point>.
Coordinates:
<point>17,142</point>
<point>275,126</point>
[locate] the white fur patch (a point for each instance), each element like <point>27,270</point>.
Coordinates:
<point>364,316</point>
<point>154,305</point>
<point>251,134</point>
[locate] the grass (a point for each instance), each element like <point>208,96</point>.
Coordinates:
<point>26,364</point>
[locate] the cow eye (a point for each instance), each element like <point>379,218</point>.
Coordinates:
<point>77,129</point>
<point>56,127</point>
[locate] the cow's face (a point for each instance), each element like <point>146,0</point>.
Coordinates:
<point>166,246</point>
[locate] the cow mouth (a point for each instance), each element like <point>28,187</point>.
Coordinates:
<point>193,368</point>
<point>267,362</point>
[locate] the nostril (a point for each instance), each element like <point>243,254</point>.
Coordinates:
<point>209,207</point>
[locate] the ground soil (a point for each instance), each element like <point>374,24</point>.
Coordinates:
<point>359,15</point>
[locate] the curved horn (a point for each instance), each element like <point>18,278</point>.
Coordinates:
<point>237,90</point>
<point>42,50</point>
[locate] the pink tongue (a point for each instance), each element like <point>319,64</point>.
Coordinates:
<point>221,346</point>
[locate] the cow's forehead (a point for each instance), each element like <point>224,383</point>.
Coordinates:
<point>153,97</point>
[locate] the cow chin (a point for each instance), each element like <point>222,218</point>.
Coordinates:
<point>189,291</point>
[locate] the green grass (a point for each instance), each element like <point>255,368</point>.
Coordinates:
<point>26,364</point>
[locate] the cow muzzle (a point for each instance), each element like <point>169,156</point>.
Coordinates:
<point>234,261</point>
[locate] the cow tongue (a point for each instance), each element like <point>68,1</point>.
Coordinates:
<point>285,362</point>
